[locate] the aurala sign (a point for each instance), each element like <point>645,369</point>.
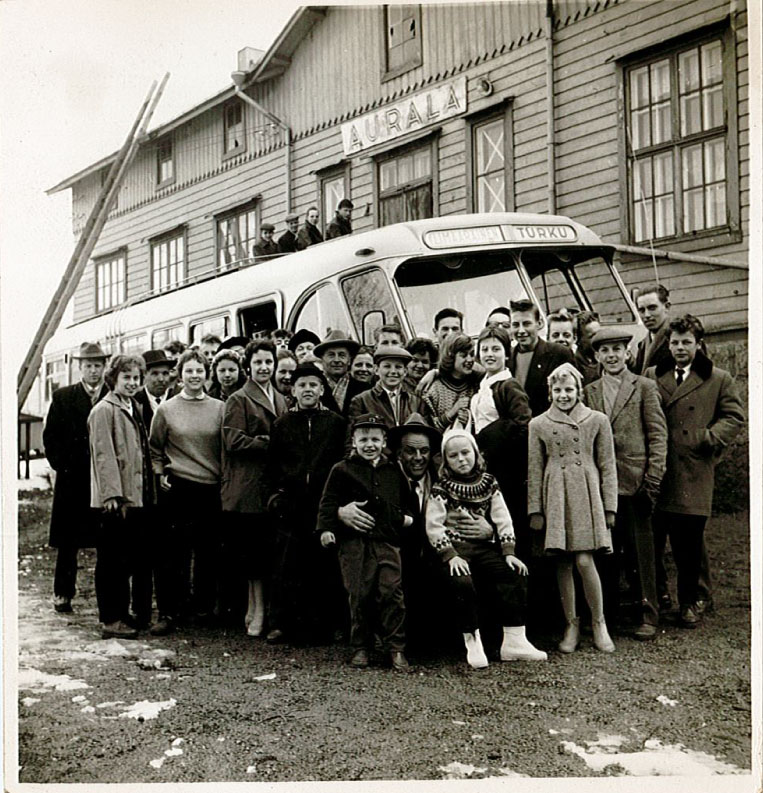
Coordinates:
<point>413,113</point>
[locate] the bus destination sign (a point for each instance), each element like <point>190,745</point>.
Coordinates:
<point>555,232</point>
<point>495,235</point>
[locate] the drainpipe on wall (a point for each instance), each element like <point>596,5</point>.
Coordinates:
<point>238,79</point>
<point>550,137</point>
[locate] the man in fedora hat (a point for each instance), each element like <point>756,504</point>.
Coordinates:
<point>303,344</point>
<point>632,404</point>
<point>73,523</point>
<point>266,245</point>
<point>341,224</point>
<point>336,352</point>
<point>287,242</point>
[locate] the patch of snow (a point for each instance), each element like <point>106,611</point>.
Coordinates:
<point>221,738</point>
<point>112,648</point>
<point>147,710</point>
<point>29,701</point>
<point>79,698</point>
<point>553,732</point>
<point>163,676</point>
<point>459,723</point>
<point>87,709</point>
<point>173,752</point>
<point>271,676</point>
<point>478,737</point>
<point>158,763</point>
<point>34,680</point>
<point>655,759</point>
<point>456,770</point>
<point>110,704</point>
<point>252,769</point>
<point>667,701</point>
<point>178,741</point>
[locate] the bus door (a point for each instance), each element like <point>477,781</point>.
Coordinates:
<point>259,318</point>
<point>371,304</point>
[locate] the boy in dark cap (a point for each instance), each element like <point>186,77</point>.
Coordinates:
<point>341,224</point>
<point>369,544</point>
<point>266,246</point>
<point>287,242</point>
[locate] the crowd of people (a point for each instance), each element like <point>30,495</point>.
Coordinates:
<point>315,490</point>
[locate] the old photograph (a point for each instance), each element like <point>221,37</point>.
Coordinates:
<point>378,394</point>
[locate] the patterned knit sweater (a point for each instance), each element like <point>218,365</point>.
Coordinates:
<point>481,497</point>
<point>443,394</point>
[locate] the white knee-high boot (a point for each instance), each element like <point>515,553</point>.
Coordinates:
<point>475,653</point>
<point>255,615</point>
<point>517,647</point>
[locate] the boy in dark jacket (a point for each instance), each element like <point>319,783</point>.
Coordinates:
<point>369,550</point>
<point>306,596</point>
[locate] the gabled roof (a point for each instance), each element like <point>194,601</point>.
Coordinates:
<point>273,64</point>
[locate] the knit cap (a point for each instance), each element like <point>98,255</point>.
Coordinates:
<point>457,432</point>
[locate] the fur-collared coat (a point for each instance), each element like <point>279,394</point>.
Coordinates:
<point>247,420</point>
<point>572,478</point>
<point>704,415</point>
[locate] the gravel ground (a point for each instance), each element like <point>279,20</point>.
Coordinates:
<point>232,708</point>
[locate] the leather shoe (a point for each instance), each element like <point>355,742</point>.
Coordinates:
<point>689,617</point>
<point>275,636</point>
<point>399,662</point>
<point>645,632</point>
<point>359,659</point>
<point>162,627</point>
<point>703,607</point>
<point>118,630</point>
<point>62,605</point>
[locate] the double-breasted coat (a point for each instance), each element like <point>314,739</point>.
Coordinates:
<point>65,438</point>
<point>572,478</point>
<point>248,414</point>
<point>704,415</point>
<point>639,430</point>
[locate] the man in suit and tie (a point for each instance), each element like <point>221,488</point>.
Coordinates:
<point>533,359</point>
<point>704,415</point>
<point>653,305</point>
<point>632,404</point>
<point>73,524</point>
<point>155,385</point>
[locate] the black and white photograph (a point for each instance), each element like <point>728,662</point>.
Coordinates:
<point>380,394</point>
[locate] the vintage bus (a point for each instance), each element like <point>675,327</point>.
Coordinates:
<point>403,273</point>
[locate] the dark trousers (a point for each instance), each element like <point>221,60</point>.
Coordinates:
<point>686,533</point>
<point>633,546</point>
<point>121,554</point>
<point>189,558</point>
<point>372,579</point>
<point>704,585</point>
<point>492,580</point>
<point>65,576</point>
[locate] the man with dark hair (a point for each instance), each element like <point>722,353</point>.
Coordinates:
<point>209,346</point>
<point>533,359</point>
<point>389,336</point>
<point>341,224</point>
<point>309,234</point>
<point>561,328</point>
<point>587,325</point>
<point>280,338</point>
<point>704,415</point>
<point>447,321</point>
<point>653,305</point>
<point>266,245</point>
<point>499,317</point>
<point>173,350</point>
<point>73,524</point>
<point>287,242</point>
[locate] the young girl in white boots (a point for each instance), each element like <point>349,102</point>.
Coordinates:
<point>572,491</point>
<point>465,486</point>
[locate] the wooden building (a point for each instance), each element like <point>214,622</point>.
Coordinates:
<point>629,116</point>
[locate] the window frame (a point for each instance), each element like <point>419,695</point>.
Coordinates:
<point>241,147</point>
<point>307,295</point>
<point>98,263</point>
<point>728,232</point>
<point>387,72</point>
<point>330,174</point>
<point>163,143</point>
<point>180,232</point>
<point>475,120</point>
<point>253,205</point>
<point>199,321</point>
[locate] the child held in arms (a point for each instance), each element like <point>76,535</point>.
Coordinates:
<point>369,557</point>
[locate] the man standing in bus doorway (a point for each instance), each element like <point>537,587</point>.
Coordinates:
<point>341,224</point>
<point>266,247</point>
<point>287,242</point>
<point>336,353</point>
<point>310,234</point>
<point>73,524</point>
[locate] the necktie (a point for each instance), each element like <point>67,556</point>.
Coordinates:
<point>93,397</point>
<point>395,411</point>
<point>417,493</point>
<point>679,376</point>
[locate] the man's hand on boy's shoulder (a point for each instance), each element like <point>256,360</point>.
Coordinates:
<point>352,515</point>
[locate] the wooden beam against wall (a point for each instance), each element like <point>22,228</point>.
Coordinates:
<point>678,256</point>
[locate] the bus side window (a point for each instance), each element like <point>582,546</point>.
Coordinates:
<point>322,312</point>
<point>258,319</point>
<point>161,338</point>
<point>217,326</point>
<point>370,301</point>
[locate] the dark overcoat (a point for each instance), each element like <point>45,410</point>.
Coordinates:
<point>288,243</point>
<point>65,439</point>
<point>307,235</point>
<point>247,415</point>
<point>375,400</point>
<point>704,415</point>
<point>546,357</point>
<point>653,352</point>
<point>639,430</point>
<point>339,227</point>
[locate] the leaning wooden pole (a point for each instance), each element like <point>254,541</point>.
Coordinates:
<point>85,244</point>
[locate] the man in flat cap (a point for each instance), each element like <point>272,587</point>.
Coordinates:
<point>632,404</point>
<point>266,246</point>
<point>287,242</point>
<point>342,222</point>
<point>73,524</point>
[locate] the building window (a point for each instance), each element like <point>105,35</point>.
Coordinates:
<point>165,162</point>
<point>110,282</point>
<point>236,237</point>
<point>55,377</point>
<point>333,187</point>
<point>168,262</point>
<point>406,185</point>
<point>402,39</point>
<point>233,116</point>
<point>680,150</point>
<point>491,163</point>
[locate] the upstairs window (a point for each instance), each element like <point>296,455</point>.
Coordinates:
<point>402,39</point>
<point>681,143</point>
<point>110,285</point>
<point>236,236</point>
<point>165,162</point>
<point>490,161</point>
<point>168,261</point>
<point>406,189</point>
<point>233,121</point>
